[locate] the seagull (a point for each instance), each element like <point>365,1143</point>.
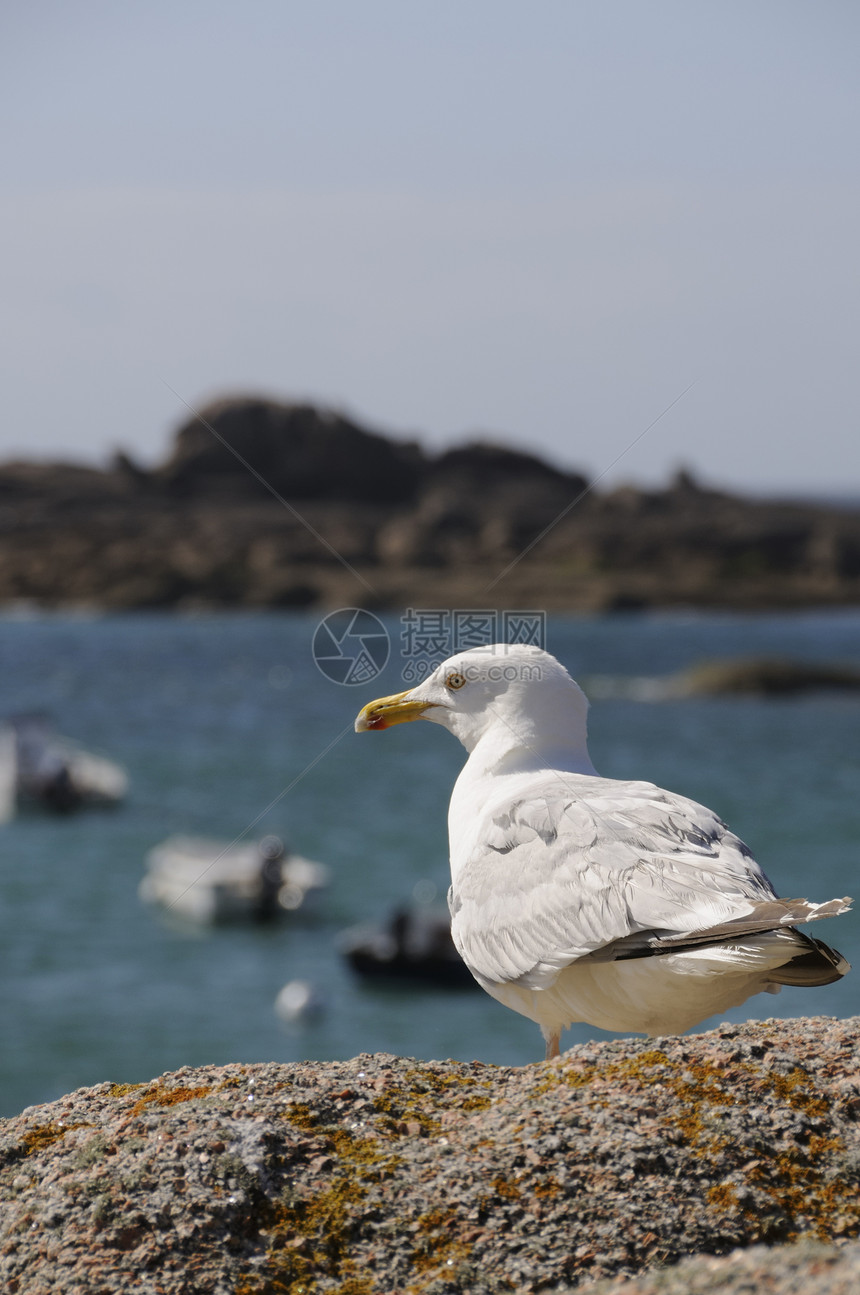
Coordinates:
<point>580,898</point>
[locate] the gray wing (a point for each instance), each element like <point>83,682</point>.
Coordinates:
<point>592,867</point>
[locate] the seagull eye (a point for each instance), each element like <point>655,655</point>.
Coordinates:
<point>455,681</point>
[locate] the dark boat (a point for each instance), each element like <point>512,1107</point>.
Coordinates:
<point>414,944</point>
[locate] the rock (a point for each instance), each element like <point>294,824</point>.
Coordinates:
<point>799,1269</point>
<point>384,1174</point>
<point>482,466</point>
<point>769,677</point>
<point>276,504</point>
<point>480,501</point>
<point>300,451</point>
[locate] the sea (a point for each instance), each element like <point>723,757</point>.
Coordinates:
<point>229,728</point>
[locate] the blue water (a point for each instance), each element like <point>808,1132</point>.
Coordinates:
<point>219,717</point>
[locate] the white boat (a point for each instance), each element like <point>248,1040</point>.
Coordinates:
<point>39,767</point>
<point>208,881</point>
<point>8,772</point>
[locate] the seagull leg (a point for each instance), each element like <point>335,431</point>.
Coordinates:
<point>552,1048</point>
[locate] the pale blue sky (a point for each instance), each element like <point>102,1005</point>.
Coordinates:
<point>539,222</point>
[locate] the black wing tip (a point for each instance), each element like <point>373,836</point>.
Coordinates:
<point>818,964</point>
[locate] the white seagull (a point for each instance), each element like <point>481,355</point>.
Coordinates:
<point>580,898</point>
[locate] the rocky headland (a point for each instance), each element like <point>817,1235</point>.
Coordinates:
<point>267,504</point>
<point>724,1161</point>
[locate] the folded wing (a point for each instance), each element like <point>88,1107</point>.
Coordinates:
<point>575,867</point>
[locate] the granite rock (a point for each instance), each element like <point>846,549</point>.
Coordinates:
<point>620,1160</point>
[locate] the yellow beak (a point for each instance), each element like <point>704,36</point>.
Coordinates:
<point>386,711</point>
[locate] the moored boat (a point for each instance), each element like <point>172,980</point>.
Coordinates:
<point>40,768</point>
<point>413,944</point>
<point>210,881</point>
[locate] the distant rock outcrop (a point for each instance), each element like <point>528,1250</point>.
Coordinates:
<point>766,677</point>
<point>268,504</point>
<point>301,451</point>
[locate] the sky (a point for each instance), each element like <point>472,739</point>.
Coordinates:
<point>621,235</point>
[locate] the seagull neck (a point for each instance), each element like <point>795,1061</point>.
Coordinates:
<point>498,753</point>
<point>491,775</point>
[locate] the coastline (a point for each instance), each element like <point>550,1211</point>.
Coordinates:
<point>297,507</point>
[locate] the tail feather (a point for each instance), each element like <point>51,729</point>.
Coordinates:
<point>768,915</point>
<point>815,963</point>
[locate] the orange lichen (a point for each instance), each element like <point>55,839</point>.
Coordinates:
<point>506,1190</point>
<point>43,1135</point>
<point>723,1196</point>
<point>545,1188</point>
<point>158,1096</point>
<point>122,1090</point>
<point>438,1245</point>
<point>308,1239</point>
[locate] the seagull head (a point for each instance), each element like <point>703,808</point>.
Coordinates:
<point>513,696</point>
